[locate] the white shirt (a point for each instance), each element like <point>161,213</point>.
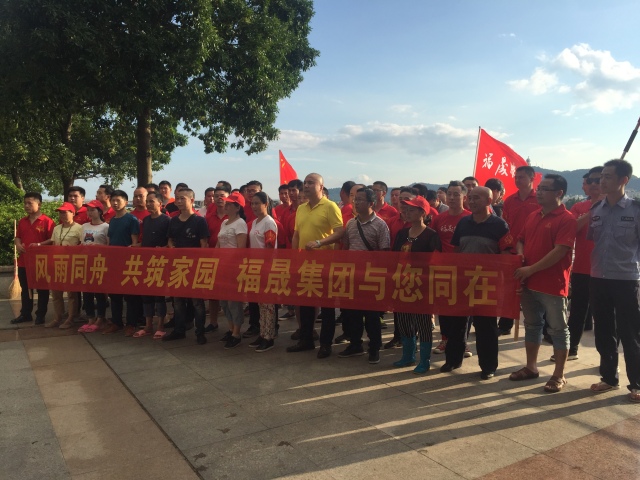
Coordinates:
<point>258,230</point>
<point>229,232</point>
<point>94,234</point>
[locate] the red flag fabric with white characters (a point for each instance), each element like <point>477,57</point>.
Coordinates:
<point>497,160</point>
<point>287,173</point>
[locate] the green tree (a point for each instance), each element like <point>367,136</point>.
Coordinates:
<point>215,67</point>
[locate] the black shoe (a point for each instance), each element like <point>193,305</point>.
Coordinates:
<point>201,339</point>
<point>504,331</point>
<point>287,315</point>
<point>226,336</point>
<point>170,324</point>
<point>447,367</point>
<point>21,319</point>
<point>265,345</point>
<point>374,356</point>
<point>316,337</point>
<point>232,342</point>
<point>301,347</point>
<point>351,351</point>
<point>189,325</point>
<point>174,335</point>
<point>341,339</point>
<point>487,375</point>
<point>210,328</point>
<point>588,326</point>
<point>251,332</point>
<point>257,342</point>
<point>39,321</point>
<point>393,343</point>
<point>296,335</point>
<point>325,351</point>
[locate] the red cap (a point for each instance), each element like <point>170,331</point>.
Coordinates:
<point>419,202</point>
<point>235,198</point>
<point>66,207</point>
<point>95,204</point>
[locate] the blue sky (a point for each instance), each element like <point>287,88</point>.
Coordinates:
<point>400,89</point>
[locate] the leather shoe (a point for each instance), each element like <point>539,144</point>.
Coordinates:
<point>487,375</point>
<point>39,321</point>
<point>301,347</point>
<point>20,319</point>
<point>447,367</point>
<point>325,351</point>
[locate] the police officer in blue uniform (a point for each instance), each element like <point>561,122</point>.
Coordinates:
<point>615,278</point>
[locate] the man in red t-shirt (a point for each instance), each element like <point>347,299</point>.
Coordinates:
<point>445,224</point>
<point>546,242</point>
<point>75,196</point>
<point>515,210</point>
<point>283,194</point>
<point>103,195</point>
<point>580,313</point>
<point>32,230</point>
<point>140,207</point>
<point>385,211</point>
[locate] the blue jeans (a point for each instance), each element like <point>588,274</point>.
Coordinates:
<point>535,305</point>
<point>234,311</point>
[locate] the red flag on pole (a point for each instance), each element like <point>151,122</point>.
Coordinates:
<point>287,173</point>
<point>494,159</point>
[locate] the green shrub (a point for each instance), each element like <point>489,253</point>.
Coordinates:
<point>15,211</point>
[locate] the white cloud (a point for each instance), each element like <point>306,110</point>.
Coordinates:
<point>362,178</point>
<point>595,78</point>
<point>376,136</point>
<point>406,110</point>
<point>507,35</point>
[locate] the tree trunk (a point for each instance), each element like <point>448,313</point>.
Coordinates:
<point>67,182</point>
<point>65,178</point>
<point>16,179</point>
<point>143,153</point>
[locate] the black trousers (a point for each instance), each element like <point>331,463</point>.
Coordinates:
<point>580,307</point>
<point>355,327</point>
<point>26,301</point>
<point>307,321</point>
<point>616,311</point>
<point>254,315</point>
<point>134,308</point>
<point>486,340</point>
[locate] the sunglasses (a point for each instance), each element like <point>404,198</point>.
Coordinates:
<point>589,181</point>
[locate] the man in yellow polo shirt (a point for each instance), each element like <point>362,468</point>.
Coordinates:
<point>318,225</point>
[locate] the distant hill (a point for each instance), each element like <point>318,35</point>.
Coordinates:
<point>574,179</point>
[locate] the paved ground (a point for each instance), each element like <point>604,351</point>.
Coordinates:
<point>97,407</point>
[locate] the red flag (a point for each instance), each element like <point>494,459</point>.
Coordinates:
<point>497,160</point>
<point>287,173</point>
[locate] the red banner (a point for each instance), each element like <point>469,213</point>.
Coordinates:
<point>448,284</point>
<point>497,160</point>
<point>287,173</point>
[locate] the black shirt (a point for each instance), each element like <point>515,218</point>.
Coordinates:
<point>483,237</point>
<point>427,241</point>
<point>155,231</point>
<point>188,234</point>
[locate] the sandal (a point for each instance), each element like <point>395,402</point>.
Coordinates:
<point>158,335</point>
<point>555,384</point>
<point>91,328</point>
<point>141,333</point>
<point>634,396</point>
<point>603,387</point>
<point>83,328</point>
<point>523,374</point>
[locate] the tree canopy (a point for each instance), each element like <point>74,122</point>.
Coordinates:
<point>103,87</point>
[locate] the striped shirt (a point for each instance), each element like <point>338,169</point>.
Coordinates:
<point>375,230</point>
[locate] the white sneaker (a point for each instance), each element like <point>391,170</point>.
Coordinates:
<point>467,352</point>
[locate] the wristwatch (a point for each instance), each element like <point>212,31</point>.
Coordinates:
<point>318,243</point>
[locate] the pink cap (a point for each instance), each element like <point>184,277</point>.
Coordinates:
<point>419,202</point>
<point>66,207</point>
<point>235,198</point>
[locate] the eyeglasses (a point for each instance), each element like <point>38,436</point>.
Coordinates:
<point>589,181</point>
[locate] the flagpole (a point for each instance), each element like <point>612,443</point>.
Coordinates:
<point>631,139</point>
<point>475,160</point>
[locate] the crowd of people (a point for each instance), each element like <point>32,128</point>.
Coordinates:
<point>590,254</point>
